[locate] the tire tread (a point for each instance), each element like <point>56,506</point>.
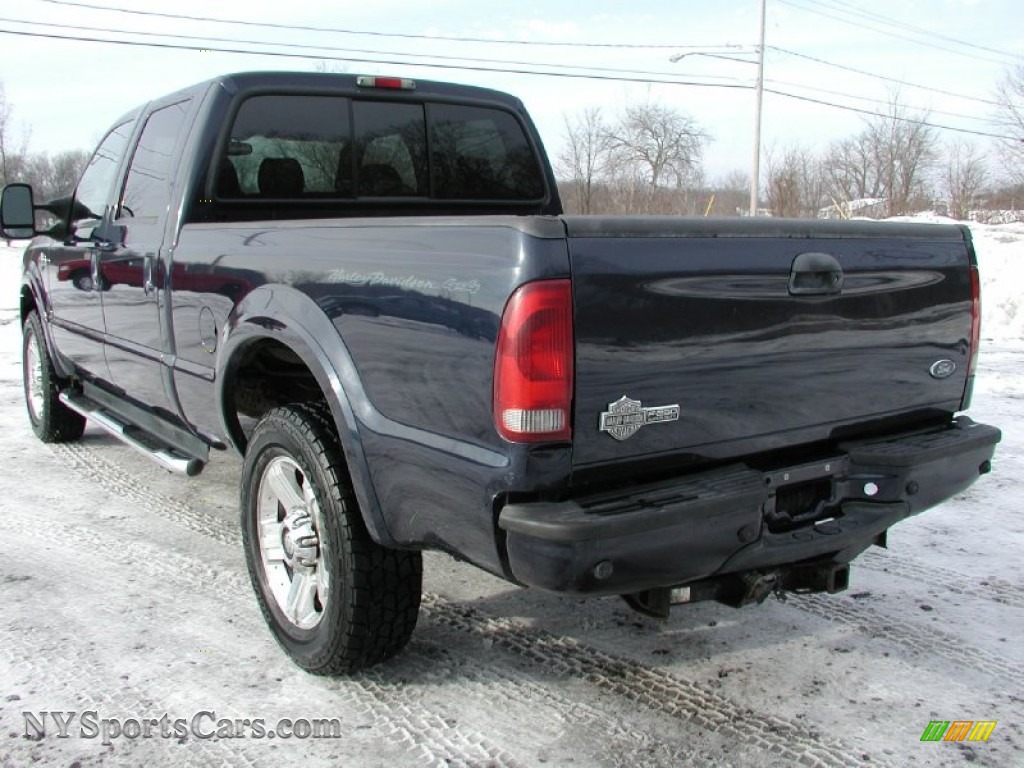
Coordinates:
<point>58,423</point>
<point>384,585</point>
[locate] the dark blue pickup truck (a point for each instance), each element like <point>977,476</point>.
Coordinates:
<point>365,286</point>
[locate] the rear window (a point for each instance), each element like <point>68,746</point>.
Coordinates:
<point>300,147</point>
<point>481,154</point>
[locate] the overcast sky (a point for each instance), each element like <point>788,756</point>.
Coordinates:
<point>68,92</point>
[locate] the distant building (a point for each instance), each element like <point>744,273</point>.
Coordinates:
<point>864,208</point>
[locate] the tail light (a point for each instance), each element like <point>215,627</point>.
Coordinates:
<point>533,366</point>
<point>972,361</point>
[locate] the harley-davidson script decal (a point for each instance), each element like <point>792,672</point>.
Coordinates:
<point>624,417</point>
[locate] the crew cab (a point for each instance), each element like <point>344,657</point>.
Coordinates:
<point>367,287</point>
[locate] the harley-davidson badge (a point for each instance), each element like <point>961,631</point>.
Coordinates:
<point>625,416</point>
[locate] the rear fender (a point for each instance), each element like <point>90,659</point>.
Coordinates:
<point>291,318</point>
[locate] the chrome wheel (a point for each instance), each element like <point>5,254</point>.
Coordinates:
<point>34,392</point>
<point>336,600</point>
<point>292,551</point>
<point>52,421</point>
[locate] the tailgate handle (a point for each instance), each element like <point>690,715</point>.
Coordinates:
<point>815,274</point>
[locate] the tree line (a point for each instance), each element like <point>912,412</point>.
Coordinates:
<point>51,176</point>
<point>647,159</point>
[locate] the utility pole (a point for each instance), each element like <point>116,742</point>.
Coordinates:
<point>755,171</point>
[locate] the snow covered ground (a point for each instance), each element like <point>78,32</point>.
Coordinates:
<point>123,591</point>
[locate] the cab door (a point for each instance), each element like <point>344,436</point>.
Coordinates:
<point>72,266</point>
<point>133,271</point>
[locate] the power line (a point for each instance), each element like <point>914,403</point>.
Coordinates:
<point>299,46</point>
<point>502,70</point>
<point>877,76</point>
<point>897,118</point>
<point>365,60</point>
<point>843,7</point>
<point>882,30</point>
<point>408,36</point>
<point>872,100</point>
<point>492,41</point>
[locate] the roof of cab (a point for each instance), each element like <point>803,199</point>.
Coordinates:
<point>327,81</point>
<point>322,82</point>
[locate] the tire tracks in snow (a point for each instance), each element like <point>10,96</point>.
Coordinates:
<point>416,729</point>
<point>38,650</point>
<point>113,478</point>
<point>909,636</point>
<point>425,738</point>
<point>654,689</point>
<point>993,590</point>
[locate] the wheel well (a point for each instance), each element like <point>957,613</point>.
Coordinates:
<point>268,374</point>
<point>28,302</point>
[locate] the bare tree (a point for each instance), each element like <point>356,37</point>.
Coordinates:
<point>12,152</point>
<point>584,159</point>
<point>661,145</point>
<point>655,149</point>
<point>6,159</point>
<point>648,160</point>
<point>783,182</point>
<point>1010,119</point>
<point>795,181</point>
<point>729,195</point>
<point>964,178</point>
<point>905,147</point>
<point>890,159</point>
<point>850,170</point>
<point>56,176</point>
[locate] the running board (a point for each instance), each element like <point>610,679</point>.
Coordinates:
<point>167,457</point>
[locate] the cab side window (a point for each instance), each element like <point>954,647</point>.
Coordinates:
<point>95,189</point>
<point>147,190</point>
<point>285,147</point>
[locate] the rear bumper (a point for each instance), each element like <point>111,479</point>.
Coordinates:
<point>714,523</point>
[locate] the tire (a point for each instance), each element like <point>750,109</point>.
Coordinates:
<point>52,421</point>
<point>335,600</point>
<point>82,282</point>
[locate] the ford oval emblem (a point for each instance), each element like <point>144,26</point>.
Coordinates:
<point>942,369</point>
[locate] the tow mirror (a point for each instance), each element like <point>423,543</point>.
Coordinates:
<point>17,212</point>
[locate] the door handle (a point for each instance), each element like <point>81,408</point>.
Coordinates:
<point>815,274</point>
<point>147,275</point>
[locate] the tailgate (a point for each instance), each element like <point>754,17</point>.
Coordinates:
<point>714,339</point>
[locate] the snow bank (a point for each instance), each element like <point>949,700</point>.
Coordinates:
<point>10,275</point>
<point>1000,249</point>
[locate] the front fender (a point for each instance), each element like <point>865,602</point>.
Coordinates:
<point>35,295</point>
<point>291,318</point>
